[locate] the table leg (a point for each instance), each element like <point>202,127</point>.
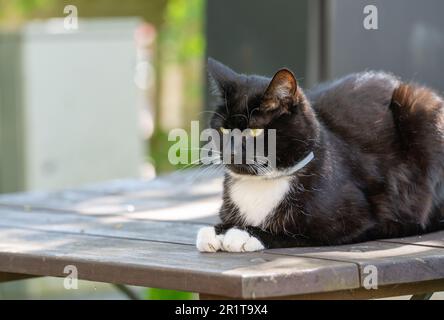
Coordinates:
<point>8,276</point>
<point>424,296</point>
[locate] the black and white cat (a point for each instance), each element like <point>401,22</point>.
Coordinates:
<point>357,159</point>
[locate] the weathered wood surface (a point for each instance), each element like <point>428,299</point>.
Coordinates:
<point>435,239</point>
<point>188,196</point>
<point>395,263</point>
<point>167,265</point>
<point>418,288</point>
<point>143,233</point>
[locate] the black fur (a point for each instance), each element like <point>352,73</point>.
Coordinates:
<point>379,155</point>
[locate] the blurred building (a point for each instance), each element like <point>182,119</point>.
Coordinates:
<point>325,39</point>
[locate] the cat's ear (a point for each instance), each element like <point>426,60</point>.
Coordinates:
<point>282,90</point>
<point>222,78</point>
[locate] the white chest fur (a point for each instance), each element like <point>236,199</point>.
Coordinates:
<point>257,198</point>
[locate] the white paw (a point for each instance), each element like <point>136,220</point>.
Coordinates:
<point>208,241</point>
<point>236,240</point>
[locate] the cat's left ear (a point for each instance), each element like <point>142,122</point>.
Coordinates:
<point>222,78</point>
<point>282,90</point>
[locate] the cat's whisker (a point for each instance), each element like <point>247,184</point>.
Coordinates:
<point>251,113</point>
<point>226,103</point>
<point>246,105</point>
<point>195,163</point>
<point>213,112</point>
<point>206,149</point>
<point>204,171</point>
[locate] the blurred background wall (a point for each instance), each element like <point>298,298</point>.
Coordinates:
<point>239,33</point>
<point>409,41</point>
<point>325,39</point>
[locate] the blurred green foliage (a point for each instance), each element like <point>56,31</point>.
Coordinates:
<point>15,12</point>
<point>26,6</point>
<point>182,36</point>
<point>163,294</point>
<point>181,42</point>
<point>159,146</point>
<point>14,9</point>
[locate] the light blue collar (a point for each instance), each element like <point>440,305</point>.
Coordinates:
<point>279,173</point>
<point>292,170</point>
<point>301,164</point>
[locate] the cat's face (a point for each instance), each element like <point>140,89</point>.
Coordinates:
<point>255,105</point>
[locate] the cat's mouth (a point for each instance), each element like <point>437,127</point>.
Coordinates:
<point>243,169</point>
<point>262,171</point>
<point>249,167</point>
<point>252,170</point>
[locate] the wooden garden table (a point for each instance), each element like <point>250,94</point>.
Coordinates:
<point>142,233</point>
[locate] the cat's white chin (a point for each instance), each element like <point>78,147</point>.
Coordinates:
<point>234,240</point>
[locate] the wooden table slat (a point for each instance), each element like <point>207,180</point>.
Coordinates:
<point>435,239</point>
<point>170,266</point>
<point>112,227</point>
<point>153,197</point>
<point>395,262</point>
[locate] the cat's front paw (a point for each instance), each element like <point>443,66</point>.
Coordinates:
<point>236,240</point>
<point>208,241</point>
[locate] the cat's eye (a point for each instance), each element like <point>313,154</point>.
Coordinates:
<point>256,132</point>
<point>224,131</point>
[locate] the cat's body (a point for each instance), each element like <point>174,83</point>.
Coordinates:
<point>377,172</point>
